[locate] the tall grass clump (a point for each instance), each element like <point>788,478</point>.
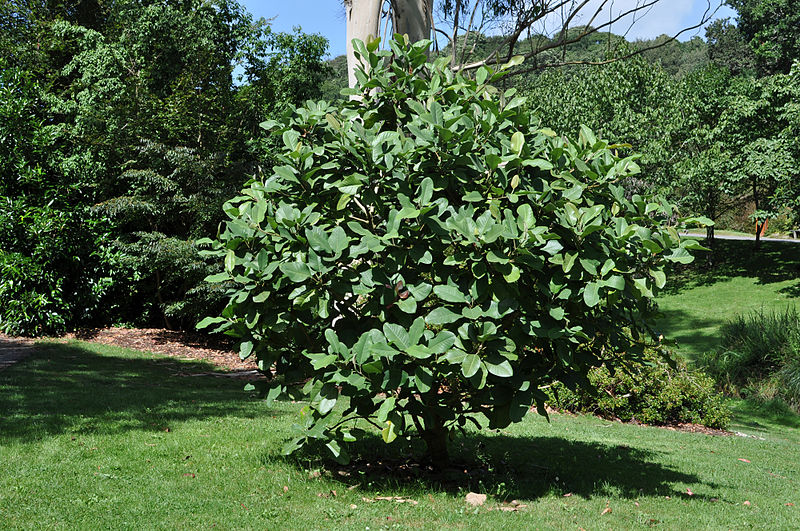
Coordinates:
<point>759,356</point>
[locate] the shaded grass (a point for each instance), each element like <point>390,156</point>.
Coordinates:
<point>84,444</point>
<point>732,280</point>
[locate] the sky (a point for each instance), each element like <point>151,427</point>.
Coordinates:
<point>327,18</point>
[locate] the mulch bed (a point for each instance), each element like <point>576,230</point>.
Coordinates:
<point>173,343</point>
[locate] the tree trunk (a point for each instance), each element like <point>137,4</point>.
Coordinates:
<point>710,243</point>
<point>363,20</point>
<point>759,228</point>
<point>413,18</point>
<point>435,436</point>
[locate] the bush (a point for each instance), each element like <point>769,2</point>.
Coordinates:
<point>655,392</point>
<point>759,356</point>
<point>53,269</point>
<point>430,253</point>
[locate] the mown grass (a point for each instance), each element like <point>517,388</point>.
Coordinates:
<point>732,280</point>
<point>99,437</point>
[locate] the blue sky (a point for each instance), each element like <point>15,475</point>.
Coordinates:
<point>327,18</point>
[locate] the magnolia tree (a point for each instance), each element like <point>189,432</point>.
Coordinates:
<point>553,24</point>
<point>426,255</point>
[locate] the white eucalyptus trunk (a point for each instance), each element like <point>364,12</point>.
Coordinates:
<point>363,20</point>
<point>413,18</point>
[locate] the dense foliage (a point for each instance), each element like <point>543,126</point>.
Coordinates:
<point>122,151</point>
<point>655,392</point>
<point>428,252</point>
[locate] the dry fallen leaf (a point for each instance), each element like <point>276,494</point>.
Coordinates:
<point>790,505</point>
<point>189,475</point>
<point>398,499</point>
<point>636,504</point>
<point>689,492</point>
<point>567,495</point>
<point>607,510</point>
<point>475,499</point>
<point>744,460</point>
<point>353,506</point>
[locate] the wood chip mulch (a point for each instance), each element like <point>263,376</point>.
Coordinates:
<point>173,343</point>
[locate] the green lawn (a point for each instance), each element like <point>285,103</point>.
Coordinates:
<point>100,437</point>
<point>702,297</point>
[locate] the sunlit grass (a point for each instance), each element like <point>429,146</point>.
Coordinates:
<point>737,281</point>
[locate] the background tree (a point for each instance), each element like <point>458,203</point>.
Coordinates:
<point>772,29</point>
<point>727,48</point>
<point>146,133</point>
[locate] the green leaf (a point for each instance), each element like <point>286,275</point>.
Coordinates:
<point>420,292</point>
<point>423,378</point>
<point>449,293</point>
<point>292,446</point>
<point>513,276</point>
<point>659,277</point>
<point>396,335</point>
<point>473,197</point>
<point>388,433</point>
<point>591,295</point>
<point>419,352</point>
<point>318,239</point>
<point>517,141</point>
<point>208,321</point>
<point>338,240</point>
<point>525,219</point>
<point>219,277</point>
<point>442,342</point>
<point>328,396</point>
<point>615,281</point>
<point>515,61</point>
<point>416,330</point>
<point>230,260</point>
<point>274,392</point>
<point>502,369</point>
<point>296,271</point>
<point>425,191</point>
<point>680,255</point>
<point>470,365</point>
<point>387,406</point>
<point>441,316</point>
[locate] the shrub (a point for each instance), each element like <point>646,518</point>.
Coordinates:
<point>430,253</point>
<point>654,392</point>
<point>53,268</point>
<point>759,356</point>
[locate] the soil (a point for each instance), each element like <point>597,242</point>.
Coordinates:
<point>173,343</point>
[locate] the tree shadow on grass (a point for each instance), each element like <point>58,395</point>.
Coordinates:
<point>687,330</point>
<point>775,262</point>
<point>71,389</point>
<point>513,467</point>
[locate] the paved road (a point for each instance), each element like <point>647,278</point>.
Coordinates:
<point>744,238</point>
<point>13,350</point>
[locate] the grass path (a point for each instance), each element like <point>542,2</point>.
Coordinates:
<point>99,437</point>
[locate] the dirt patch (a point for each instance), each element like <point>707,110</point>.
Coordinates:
<point>173,343</point>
